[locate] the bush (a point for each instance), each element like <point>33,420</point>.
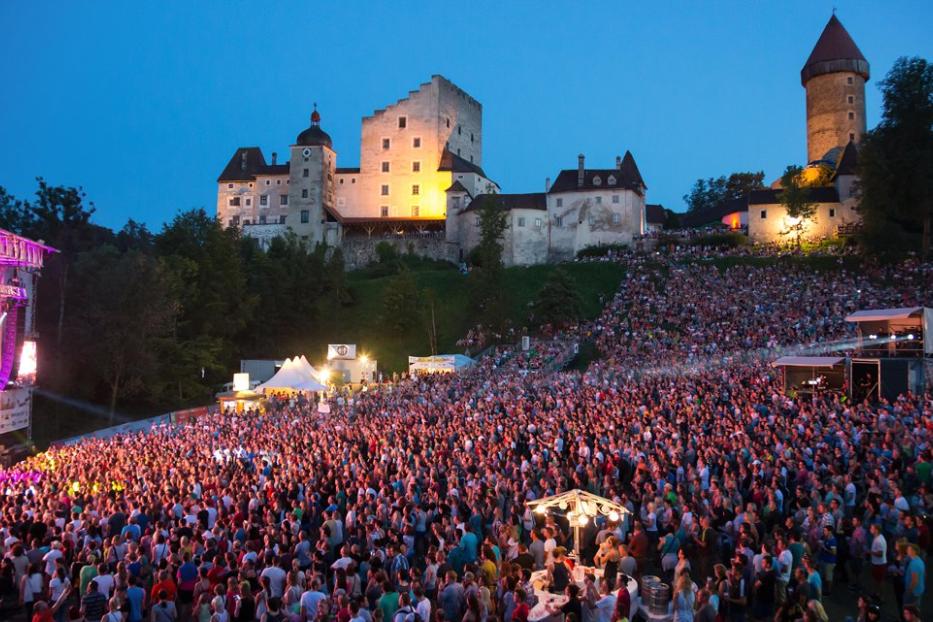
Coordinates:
<point>386,253</point>
<point>721,240</point>
<point>600,250</point>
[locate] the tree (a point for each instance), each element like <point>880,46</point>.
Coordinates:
<point>708,193</point>
<point>559,301</point>
<point>895,165</point>
<point>489,297</point>
<point>795,197</point>
<point>123,319</point>
<point>401,304</point>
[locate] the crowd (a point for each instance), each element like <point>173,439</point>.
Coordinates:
<point>407,503</point>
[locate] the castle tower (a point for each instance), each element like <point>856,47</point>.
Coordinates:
<point>311,188</point>
<point>834,76</point>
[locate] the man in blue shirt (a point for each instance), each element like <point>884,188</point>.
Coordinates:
<point>136,598</point>
<point>915,577</point>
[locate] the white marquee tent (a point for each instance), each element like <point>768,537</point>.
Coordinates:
<point>296,374</point>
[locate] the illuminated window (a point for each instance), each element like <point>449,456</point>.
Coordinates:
<point>304,193</point>
<point>851,115</point>
<point>386,143</point>
<point>384,211</point>
<point>385,190</point>
<point>414,211</point>
<point>521,221</point>
<point>416,142</point>
<point>615,197</point>
<point>851,99</point>
<point>264,200</point>
<point>416,167</point>
<point>560,202</point>
<point>764,213</point>
<point>416,189</point>
<point>832,213</point>
<point>402,123</point>
<point>385,167</point>
<point>305,172</point>
<point>283,199</point>
<point>235,202</point>
<point>305,216</point>
<point>537,223</point>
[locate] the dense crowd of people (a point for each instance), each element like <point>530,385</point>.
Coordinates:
<point>407,503</point>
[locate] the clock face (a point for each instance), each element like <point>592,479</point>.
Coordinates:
<point>306,152</point>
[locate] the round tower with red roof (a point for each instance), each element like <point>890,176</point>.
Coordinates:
<point>834,76</point>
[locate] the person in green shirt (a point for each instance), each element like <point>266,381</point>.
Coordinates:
<point>87,573</point>
<point>388,602</point>
<point>925,467</point>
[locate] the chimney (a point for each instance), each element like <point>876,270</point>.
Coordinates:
<point>547,184</point>
<point>275,157</point>
<point>580,170</point>
<point>619,162</point>
<point>243,161</point>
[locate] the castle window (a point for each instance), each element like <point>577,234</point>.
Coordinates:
<point>305,172</point>
<point>414,211</point>
<point>448,121</point>
<point>384,211</point>
<point>416,142</point>
<point>385,167</point>
<point>458,152</point>
<point>402,123</point>
<point>832,212</point>
<point>851,135</point>
<point>416,167</point>
<point>471,158</point>
<point>249,202</point>
<point>537,223</point>
<point>558,221</point>
<point>615,197</point>
<point>353,180</point>
<point>617,219</point>
<point>849,80</point>
<point>283,199</point>
<point>597,180</point>
<point>305,216</point>
<point>386,143</point>
<point>521,221</point>
<point>471,136</point>
<point>560,202</point>
<point>268,182</point>
<point>229,185</point>
<point>247,222</point>
<point>416,189</point>
<point>304,193</point>
<point>455,202</point>
<point>264,200</point>
<point>764,213</point>
<point>851,115</point>
<point>612,180</point>
<point>851,99</point>
<point>262,219</point>
<point>251,185</point>
<point>599,200</point>
<point>282,219</point>
<point>234,221</point>
<point>341,181</point>
<point>459,131</point>
<point>235,202</point>
<point>385,190</point>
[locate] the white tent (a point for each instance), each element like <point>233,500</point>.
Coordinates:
<point>439,363</point>
<point>296,374</point>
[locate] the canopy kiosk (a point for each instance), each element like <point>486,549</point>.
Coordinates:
<point>812,374</point>
<point>240,397</point>
<point>892,349</point>
<point>295,375</point>
<point>438,364</point>
<point>579,507</point>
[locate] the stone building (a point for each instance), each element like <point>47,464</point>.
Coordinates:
<point>834,77</point>
<point>418,185</point>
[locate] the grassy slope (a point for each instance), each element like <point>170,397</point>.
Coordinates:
<point>361,322</point>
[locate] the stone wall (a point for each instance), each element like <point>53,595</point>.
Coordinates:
<point>767,222</point>
<point>359,251</point>
<point>828,111</point>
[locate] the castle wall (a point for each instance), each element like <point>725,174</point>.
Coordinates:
<point>770,228</point>
<point>832,99</point>
<point>249,194</point>
<point>359,250</point>
<point>592,218</point>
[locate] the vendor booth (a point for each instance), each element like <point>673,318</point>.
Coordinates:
<point>892,351</point>
<point>295,375</point>
<point>811,375</point>
<point>241,397</point>
<point>439,364</point>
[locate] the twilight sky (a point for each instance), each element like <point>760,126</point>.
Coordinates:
<point>143,103</point>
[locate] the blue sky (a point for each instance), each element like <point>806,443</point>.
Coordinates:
<point>142,104</point>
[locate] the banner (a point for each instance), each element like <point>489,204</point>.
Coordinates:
<point>188,415</point>
<point>15,407</point>
<point>341,351</point>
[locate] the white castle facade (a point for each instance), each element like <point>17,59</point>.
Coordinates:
<point>420,182</point>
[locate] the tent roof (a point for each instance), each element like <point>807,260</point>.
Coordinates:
<point>808,361</point>
<point>876,315</point>
<point>295,374</point>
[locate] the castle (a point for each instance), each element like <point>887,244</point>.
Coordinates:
<point>419,184</point>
